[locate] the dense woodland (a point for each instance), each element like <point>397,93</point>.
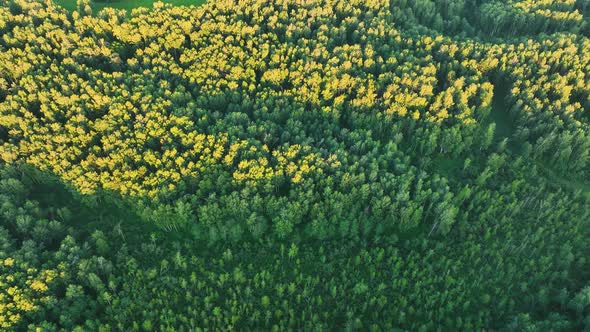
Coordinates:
<point>374,165</point>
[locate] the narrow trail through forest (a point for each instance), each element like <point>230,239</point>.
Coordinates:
<point>500,114</point>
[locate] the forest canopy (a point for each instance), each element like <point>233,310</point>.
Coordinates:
<point>284,165</point>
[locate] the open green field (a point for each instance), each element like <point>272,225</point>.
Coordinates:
<point>127,4</point>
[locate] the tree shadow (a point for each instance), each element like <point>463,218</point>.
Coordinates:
<point>103,210</point>
<point>492,21</point>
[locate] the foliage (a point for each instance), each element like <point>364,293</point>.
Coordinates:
<point>345,165</point>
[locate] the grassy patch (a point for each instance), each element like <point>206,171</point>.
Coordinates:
<point>447,166</point>
<point>127,4</point>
